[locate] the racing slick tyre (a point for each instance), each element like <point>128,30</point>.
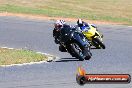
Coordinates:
<point>69,50</point>
<point>98,44</point>
<point>89,54</point>
<point>77,51</point>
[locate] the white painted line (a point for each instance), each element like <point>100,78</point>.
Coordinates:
<point>4,47</point>
<point>10,48</point>
<point>31,63</point>
<point>129,26</point>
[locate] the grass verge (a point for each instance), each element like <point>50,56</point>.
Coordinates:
<point>15,56</point>
<point>100,10</point>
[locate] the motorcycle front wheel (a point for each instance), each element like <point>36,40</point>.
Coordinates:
<point>98,43</point>
<point>79,53</point>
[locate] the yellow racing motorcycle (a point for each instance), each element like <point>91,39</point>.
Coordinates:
<point>94,36</point>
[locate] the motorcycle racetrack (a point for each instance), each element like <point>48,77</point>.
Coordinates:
<point>37,35</point>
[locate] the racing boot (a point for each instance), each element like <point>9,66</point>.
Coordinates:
<point>62,48</point>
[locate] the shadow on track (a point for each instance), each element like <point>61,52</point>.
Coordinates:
<point>67,60</point>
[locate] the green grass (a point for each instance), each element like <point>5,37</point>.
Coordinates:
<point>100,10</point>
<point>13,56</point>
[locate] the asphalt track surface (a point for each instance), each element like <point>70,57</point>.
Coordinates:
<point>37,35</point>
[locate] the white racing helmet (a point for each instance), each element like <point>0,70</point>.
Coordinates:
<point>59,23</point>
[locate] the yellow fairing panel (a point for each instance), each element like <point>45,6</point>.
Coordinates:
<point>90,32</point>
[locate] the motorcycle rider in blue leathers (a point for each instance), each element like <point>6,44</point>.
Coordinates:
<point>83,26</point>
